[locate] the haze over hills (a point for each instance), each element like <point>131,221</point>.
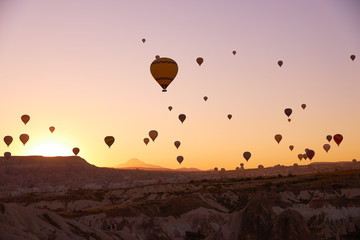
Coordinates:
<point>135,163</point>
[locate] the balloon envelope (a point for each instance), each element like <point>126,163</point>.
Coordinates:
<point>205,98</point>
<point>153,134</point>
<point>170,108</point>
<point>182,117</point>
<point>109,140</point>
<point>300,156</point>
<point>143,40</point>
<point>177,144</point>
<point>76,151</point>
<point>288,111</point>
<point>180,159</point>
<point>247,155</point>
<point>310,154</point>
<point>229,116</point>
<point>280,63</point>
<point>278,138</point>
<point>164,70</point>
<point>303,106</point>
<point>352,57</point>
<point>199,60</point>
<point>8,140</point>
<point>291,147</point>
<point>326,147</point>
<point>328,137</point>
<point>7,155</point>
<point>25,118</point>
<point>338,138</point>
<point>24,138</point>
<point>234,52</point>
<point>146,141</point>
<point>305,156</point>
<point>52,129</point>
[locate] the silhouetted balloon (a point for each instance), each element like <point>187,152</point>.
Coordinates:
<point>180,159</point>
<point>305,156</point>
<point>288,111</point>
<point>8,140</point>
<point>280,63</point>
<point>247,155</point>
<point>278,138</point>
<point>52,129</point>
<point>205,98</point>
<point>143,40</point>
<point>326,147</point>
<point>146,141</point>
<point>310,154</point>
<point>354,161</point>
<point>229,116</point>
<point>291,147</point>
<point>303,106</point>
<point>289,120</point>
<point>25,118</point>
<point>352,57</point>
<point>182,117</point>
<point>76,151</point>
<point>24,138</point>
<point>338,138</point>
<point>164,70</point>
<point>260,167</point>
<point>234,52</point>
<point>153,134</point>
<point>170,108</point>
<point>199,60</point>
<point>328,137</point>
<point>177,144</point>
<point>157,56</point>
<point>7,155</point>
<point>109,140</point>
<point>300,156</point>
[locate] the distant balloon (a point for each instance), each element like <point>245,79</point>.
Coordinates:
<point>310,154</point>
<point>25,118</point>
<point>328,137</point>
<point>199,60</point>
<point>24,138</point>
<point>326,147</point>
<point>354,161</point>
<point>247,155</point>
<point>338,138</point>
<point>180,159</point>
<point>157,56</point>
<point>8,140</point>
<point>76,151</point>
<point>177,144</point>
<point>170,108</point>
<point>52,129</point>
<point>164,70</point>
<point>289,120</point>
<point>352,57</point>
<point>7,155</point>
<point>300,156</point>
<point>234,52</point>
<point>280,63</point>
<point>182,117</point>
<point>291,147</point>
<point>260,167</point>
<point>229,116</point>
<point>288,111</point>
<point>153,134</point>
<point>278,138</point>
<point>143,40</point>
<point>305,156</point>
<point>146,141</point>
<point>109,140</point>
<point>205,98</point>
<point>303,106</point>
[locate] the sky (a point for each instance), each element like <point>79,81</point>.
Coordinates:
<point>82,67</point>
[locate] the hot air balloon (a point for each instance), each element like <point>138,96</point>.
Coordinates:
<point>146,141</point>
<point>143,40</point>
<point>303,106</point>
<point>326,147</point>
<point>199,60</point>
<point>354,161</point>
<point>25,118</point>
<point>338,138</point>
<point>352,57</point>
<point>229,116</point>
<point>177,144</point>
<point>180,159</point>
<point>7,155</point>
<point>328,137</point>
<point>52,129</point>
<point>8,140</point>
<point>157,56</point>
<point>24,138</point>
<point>109,140</point>
<point>289,120</point>
<point>280,63</point>
<point>300,156</point>
<point>76,151</point>
<point>234,52</point>
<point>310,154</point>
<point>278,138</point>
<point>288,111</point>
<point>182,117</point>
<point>247,155</point>
<point>291,147</point>
<point>164,70</point>
<point>260,167</point>
<point>205,98</point>
<point>153,134</point>
<point>170,108</point>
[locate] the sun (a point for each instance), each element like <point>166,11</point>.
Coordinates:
<point>50,149</point>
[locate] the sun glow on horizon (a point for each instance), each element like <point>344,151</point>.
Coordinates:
<point>50,149</point>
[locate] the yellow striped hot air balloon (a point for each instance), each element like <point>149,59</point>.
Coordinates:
<point>164,70</point>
